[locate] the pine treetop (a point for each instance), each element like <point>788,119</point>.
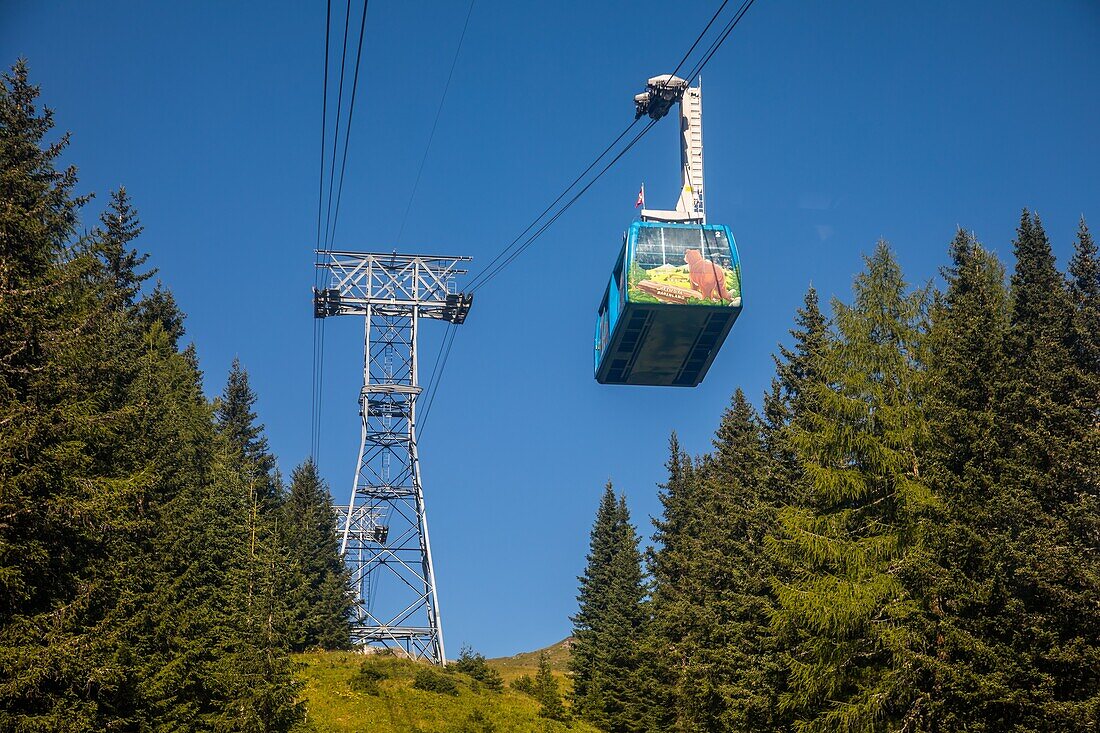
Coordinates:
<point>966,355</point>
<point>237,423</point>
<point>1040,397</point>
<point>120,225</point>
<point>738,443</point>
<point>1040,304</point>
<point>796,365</point>
<point>1084,270</point>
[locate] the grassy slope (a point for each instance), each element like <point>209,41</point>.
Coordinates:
<point>528,663</point>
<point>334,707</point>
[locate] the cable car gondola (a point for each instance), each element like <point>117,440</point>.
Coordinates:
<point>675,290</point>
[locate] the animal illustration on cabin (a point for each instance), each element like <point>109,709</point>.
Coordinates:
<point>707,277</point>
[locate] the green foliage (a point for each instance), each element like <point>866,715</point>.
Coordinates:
<point>138,591</point>
<point>970,667</point>
<point>547,692</point>
<point>476,722</point>
<point>120,226</point>
<point>319,599</point>
<point>237,424</point>
<point>712,660</point>
<point>905,540</point>
<point>845,614</point>
<point>1047,441</point>
<point>473,664</point>
<point>796,368</point>
<point>525,683</point>
<point>609,622</point>
<point>926,482</point>
<point>430,680</point>
<point>1084,271</point>
<point>366,679</point>
<point>73,493</point>
<point>401,708</point>
<point>671,598</point>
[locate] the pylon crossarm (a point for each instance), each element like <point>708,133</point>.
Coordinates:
<point>361,279</point>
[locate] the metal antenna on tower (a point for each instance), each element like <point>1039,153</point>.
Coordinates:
<point>384,529</point>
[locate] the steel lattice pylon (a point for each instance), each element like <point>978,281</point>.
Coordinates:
<point>384,529</point>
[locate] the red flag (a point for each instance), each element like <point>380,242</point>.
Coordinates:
<point>641,198</point>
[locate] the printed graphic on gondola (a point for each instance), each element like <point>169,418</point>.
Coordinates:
<point>683,266</point>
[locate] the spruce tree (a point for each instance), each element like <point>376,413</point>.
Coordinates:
<point>796,365</point>
<point>970,665</point>
<point>1084,271</point>
<point>473,664</point>
<point>36,222</point>
<point>678,513</point>
<point>160,306</point>
<point>119,226</point>
<point>712,585</point>
<point>585,662</point>
<point>208,622</point>
<point>1045,426</point>
<point>736,650</point>
<point>1043,377</point>
<point>848,620</point>
<point>547,692</point>
<point>237,423</point>
<point>609,621</point>
<point>123,561</point>
<point>256,669</point>
<point>321,600</point>
<point>671,599</point>
<point>788,400</point>
<point>69,499</point>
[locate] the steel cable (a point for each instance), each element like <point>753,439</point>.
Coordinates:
<point>493,269</point>
<point>435,123</point>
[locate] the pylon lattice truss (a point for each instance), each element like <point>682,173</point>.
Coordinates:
<point>383,527</point>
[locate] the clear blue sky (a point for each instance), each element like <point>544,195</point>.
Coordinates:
<point>827,126</point>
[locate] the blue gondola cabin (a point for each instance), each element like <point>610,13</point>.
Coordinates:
<point>672,299</point>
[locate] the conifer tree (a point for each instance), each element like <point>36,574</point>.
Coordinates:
<point>678,512</point>
<point>473,664</point>
<point>609,622</point>
<point>1084,271</point>
<point>788,400</point>
<point>256,670</point>
<point>68,500</point>
<point>1043,378</point>
<point>970,665</point>
<point>712,594</point>
<point>36,222</point>
<point>113,607</point>
<point>237,422</point>
<point>218,662</point>
<point>547,692</point>
<point>797,365</point>
<point>160,306</point>
<point>845,613</point>
<point>119,226</point>
<point>670,599</point>
<point>585,662</point>
<point>321,599</point>
<point>1044,425</point>
<point>736,652</point>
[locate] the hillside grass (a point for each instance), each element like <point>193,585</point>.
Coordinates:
<point>528,663</point>
<point>333,706</point>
